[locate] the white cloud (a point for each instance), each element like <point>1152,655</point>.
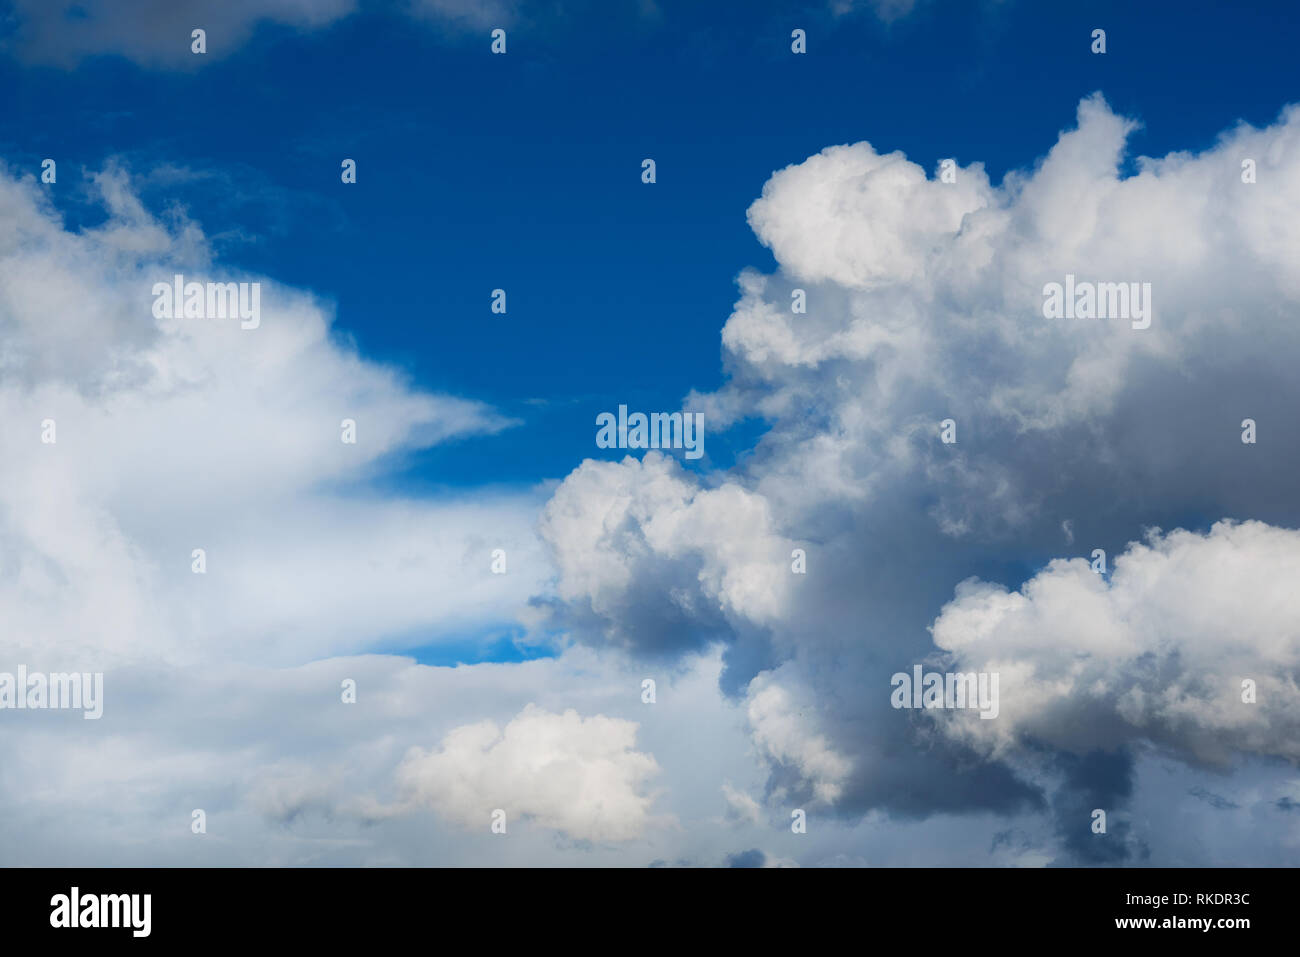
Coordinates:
<point>1157,652</point>
<point>563,771</point>
<point>290,775</point>
<point>179,434</point>
<point>784,729</point>
<point>613,525</point>
<point>888,218</point>
<point>740,806</point>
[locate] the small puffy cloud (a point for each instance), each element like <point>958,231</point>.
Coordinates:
<point>890,218</point>
<point>577,775</point>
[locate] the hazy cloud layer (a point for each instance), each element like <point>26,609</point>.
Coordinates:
<point>180,434</point>
<point>153,33</point>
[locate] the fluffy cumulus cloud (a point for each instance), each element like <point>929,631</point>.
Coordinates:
<point>652,559</point>
<point>925,302</point>
<point>577,775</point>
<point>890,218</point>
<point>1158,652</point>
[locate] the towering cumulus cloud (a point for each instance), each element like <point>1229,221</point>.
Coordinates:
<point>925,303</point>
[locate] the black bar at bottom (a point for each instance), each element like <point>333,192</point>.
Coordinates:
<point>330,907</point>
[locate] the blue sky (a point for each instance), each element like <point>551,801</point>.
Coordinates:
<point>523,172</point>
